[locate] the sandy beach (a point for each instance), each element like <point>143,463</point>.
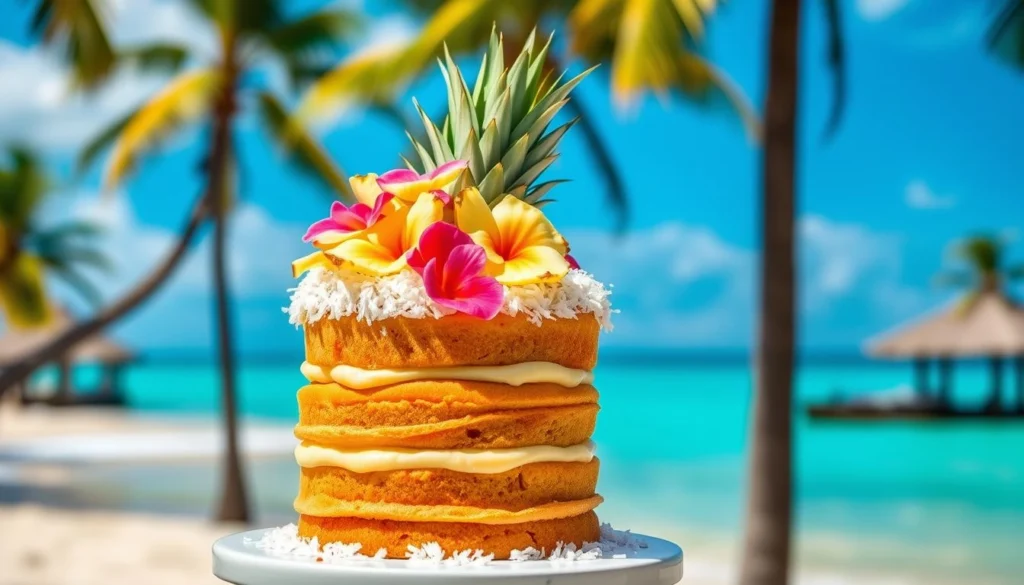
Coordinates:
<point>90,543</point>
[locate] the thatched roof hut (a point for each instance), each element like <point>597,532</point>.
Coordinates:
<point>18,343</point>
<point>985,325</point>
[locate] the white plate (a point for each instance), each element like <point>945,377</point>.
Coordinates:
<point>234,561</point>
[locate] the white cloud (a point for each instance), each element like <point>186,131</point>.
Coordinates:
<point>676,284</point>
<point>839,261</point>
<point>920,196</point>
<point>45,111</point>
<point>879,9</point>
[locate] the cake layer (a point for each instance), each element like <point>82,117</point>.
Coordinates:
<point>560,426</point>
<point>428,401</point>
<point>499,540</point>
<point>461,460</point>
<point>325,506</point>
<point>510,375</point>
<point>524,487</point>
<point>454,340</point>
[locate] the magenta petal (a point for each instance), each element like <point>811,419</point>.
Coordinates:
<point>321,227</point>
<point>378,208</point>
<point>439,238</point>
<point>572,262</point>
<point>447,168</point>
<point>396,176</point>
<point>480,296</point>
<point>464,262</point>
<point>432,281</point>
<point>442,196</point>
<point>416,260</point>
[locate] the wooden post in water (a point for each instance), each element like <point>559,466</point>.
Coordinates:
<point>946,381</point>
<point>921,376</point>
<point>1020,383</point>
<point>995,401</point>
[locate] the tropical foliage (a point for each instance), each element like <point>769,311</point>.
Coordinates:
<point>649,43</point>
<point>31,249</point>
<point>1006,34</point>
<point>981,264</point>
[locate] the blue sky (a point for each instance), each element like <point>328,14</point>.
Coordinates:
<point>926,153</point>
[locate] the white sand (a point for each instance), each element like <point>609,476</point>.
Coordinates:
<point>55,547</point>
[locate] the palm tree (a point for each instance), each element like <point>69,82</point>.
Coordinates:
<point>29,250</point>
<point>982,271</point>
<point>649,44</point>
<point>208,93</point>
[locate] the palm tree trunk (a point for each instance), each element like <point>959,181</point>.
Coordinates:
<point>60,345</point>
<point>766,547</point>
<point>233,504</point>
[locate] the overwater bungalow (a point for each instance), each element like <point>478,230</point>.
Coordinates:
<point>984,325</point>
<point>96,350</point>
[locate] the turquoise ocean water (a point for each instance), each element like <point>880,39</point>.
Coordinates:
<point>928,498</point>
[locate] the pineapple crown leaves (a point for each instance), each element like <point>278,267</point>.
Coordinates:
<point>501,125</point>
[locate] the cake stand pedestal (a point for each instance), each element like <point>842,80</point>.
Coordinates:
<point>237,561</point>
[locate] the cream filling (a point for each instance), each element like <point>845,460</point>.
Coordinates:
<point>513,375</point>
<point>487,461</point>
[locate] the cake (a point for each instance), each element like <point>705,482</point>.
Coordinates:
<point>450,339</point>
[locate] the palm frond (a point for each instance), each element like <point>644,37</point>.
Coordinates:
<point>837,63</point>
<point>240,17</point>
<point>79,284</point>
<point>186,98</point>
<point>300,146</point>
<point>98,144</point>
<point>368,78</point>
<point>1006,36</point>
<point>78,27</point>
<point>319,30</point>
<point>23,292</point>
<point>166,57</point>
<point>23,186</point>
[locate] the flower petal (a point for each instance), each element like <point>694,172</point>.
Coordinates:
<point>463,263</point>
<point>480,296</point>
<point>439,239</point>
<point>367,257</point>
<point>522,225</point>
<point>365,188</point>
<point>474,217</point>
<point>309,262</point>
<point>404,184</point>
<point>534,264</point>
<point>573,264</point>
<point>379,207</point>
<point>443,175</point>
<point>426,211</point>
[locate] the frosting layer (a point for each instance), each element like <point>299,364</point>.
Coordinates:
<point>488,461</point>
<point>513,375</point>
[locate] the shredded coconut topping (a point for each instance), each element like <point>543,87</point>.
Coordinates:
<point>327,294</point>
<point>286,542</point>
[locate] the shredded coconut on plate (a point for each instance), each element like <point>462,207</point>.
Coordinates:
<point>286,542</point>
<point>327,294</point>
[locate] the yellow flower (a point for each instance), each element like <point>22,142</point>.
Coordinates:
<point>521,244</point>
<point>381,249</point>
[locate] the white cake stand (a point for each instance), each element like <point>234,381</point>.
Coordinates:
<point>241,563</point>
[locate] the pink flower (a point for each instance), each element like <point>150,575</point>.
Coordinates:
<point>408,185</point>
<point>452,268</point>
<point>573,264</point>
<point>347,220</point>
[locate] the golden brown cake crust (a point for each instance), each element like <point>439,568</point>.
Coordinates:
<point>499,540</point>
<point>523,487</point>
<point>561,426</point>
<point>454,340</point>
